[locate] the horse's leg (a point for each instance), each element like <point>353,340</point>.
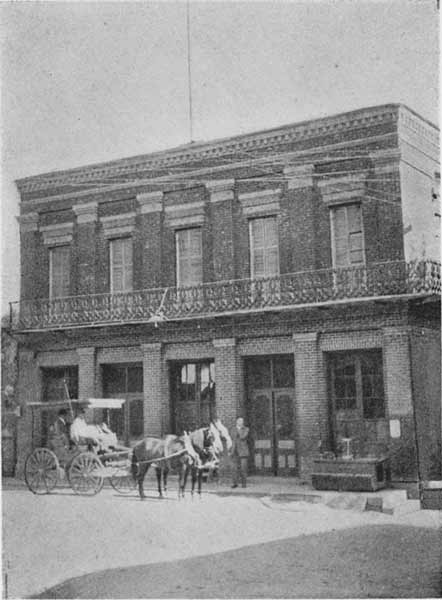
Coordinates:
<point>184,469</point>
<point>142,470</point>
<point>195,472</point>
<point>165,474</point>
<point>200,481</point>
<point>158,471</point>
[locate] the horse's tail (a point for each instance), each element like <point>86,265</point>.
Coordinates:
<point>134,465</point>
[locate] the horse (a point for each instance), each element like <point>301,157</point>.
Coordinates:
<point>159,452</point>
<point>212,469</point>
<point>208,444</point>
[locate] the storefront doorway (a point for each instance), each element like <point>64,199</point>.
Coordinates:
<point>192,391</point>
<point>124,381</point>
<point>270,383</point>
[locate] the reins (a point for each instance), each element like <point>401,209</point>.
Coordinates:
<point>161,458</point>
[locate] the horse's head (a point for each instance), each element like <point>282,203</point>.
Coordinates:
<point>224,433</point>
<point>217,443</point>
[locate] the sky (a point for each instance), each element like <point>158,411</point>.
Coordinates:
<point>87,82</point>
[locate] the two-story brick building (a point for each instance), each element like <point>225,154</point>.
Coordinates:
<point>289,275</point>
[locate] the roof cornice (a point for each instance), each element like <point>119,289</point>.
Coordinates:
<point>218,148</point>
<point>136,166</point>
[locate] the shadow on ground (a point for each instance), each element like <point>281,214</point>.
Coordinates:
<point>382,561</point>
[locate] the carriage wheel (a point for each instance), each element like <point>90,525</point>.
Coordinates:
<point>85,474</point>
<point>41,471</point>
<point>123,484</point>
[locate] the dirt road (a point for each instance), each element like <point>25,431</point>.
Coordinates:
<point>371,561</point>
<point>50,539</point>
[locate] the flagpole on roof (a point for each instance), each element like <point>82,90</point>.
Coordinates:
<point>189,70</point>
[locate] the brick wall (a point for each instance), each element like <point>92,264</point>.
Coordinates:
<point>425,367</point>
<point>153,389</point>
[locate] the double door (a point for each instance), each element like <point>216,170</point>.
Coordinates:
<point>271,414</point>
<point>274,446</point>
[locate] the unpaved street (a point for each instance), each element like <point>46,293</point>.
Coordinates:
<point>370,561</point>
<point>50,539</point>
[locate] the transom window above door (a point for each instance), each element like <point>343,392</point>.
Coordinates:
<point>347,235</point>
<point>264,247</point>
<point>121,267</point>
<point>189,256</point>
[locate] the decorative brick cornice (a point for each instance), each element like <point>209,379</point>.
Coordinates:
<point>185,215</point>
<point>86,353</point>
<point>86,213</point>
<point>418,132</point>
<point>58,234</point>
<point>387,160</point>
<point>199,151</point>
<point>150,202</point>
<point>396,332</point>
<point>220,189</point>
<point>260,203</point>
<point>224,343</point>
<point>151,348</point>
<point>339,190</point>
<point>118,225</point>
<point>300,176</point>
<point>28,222</point>
<point>305,338</point>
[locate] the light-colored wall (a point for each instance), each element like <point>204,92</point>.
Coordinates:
<point>419,148</point>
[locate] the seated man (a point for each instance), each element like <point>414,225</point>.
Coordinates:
<point>100,436</point>
<point>59,441</point>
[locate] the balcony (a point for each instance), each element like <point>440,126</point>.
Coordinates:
<point>308,288</point>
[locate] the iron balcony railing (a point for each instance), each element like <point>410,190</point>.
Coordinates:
<point>387,279</point>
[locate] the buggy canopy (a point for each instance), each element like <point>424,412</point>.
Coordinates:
<point>83,403</point>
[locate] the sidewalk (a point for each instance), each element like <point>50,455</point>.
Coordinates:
<point>287,490</point>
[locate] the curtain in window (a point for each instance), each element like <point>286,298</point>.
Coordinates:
<point>347,235</point>
<point>121,265</point>
<point>264,247</point>
<point>59,269</point>
<point>189,257</point>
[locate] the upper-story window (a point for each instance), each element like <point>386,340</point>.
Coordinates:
<point>59,271</point>
<point>264,247</point>
<point>189,256</point>
<point>347,236</point>
<point>121,269</point>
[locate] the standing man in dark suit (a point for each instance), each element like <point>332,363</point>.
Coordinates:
<point>240,452</point>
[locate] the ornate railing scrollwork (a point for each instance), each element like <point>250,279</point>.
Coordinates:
<point>394,278</point>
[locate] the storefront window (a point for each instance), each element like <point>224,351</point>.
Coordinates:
<point>357,383</point>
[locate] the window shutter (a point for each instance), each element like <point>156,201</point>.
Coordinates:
<point>121,265</point>
<point>189,257</point>
<point>60,260</point>
<point>347,235</point>
<point>264,247</point>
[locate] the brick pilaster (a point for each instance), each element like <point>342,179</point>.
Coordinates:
<point>310,400</point>
<point>86,372</point>
<point>399,402</point>
<point>85,247</point>
<point>229,398</point>
<point>153,388</point>
<point>150,218</point>
<point>221,198</point>
<point>30,285</point>
<point>397,371</point>
<point>29,389</point>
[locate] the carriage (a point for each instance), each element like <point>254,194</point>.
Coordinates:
<point>85,467</point>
